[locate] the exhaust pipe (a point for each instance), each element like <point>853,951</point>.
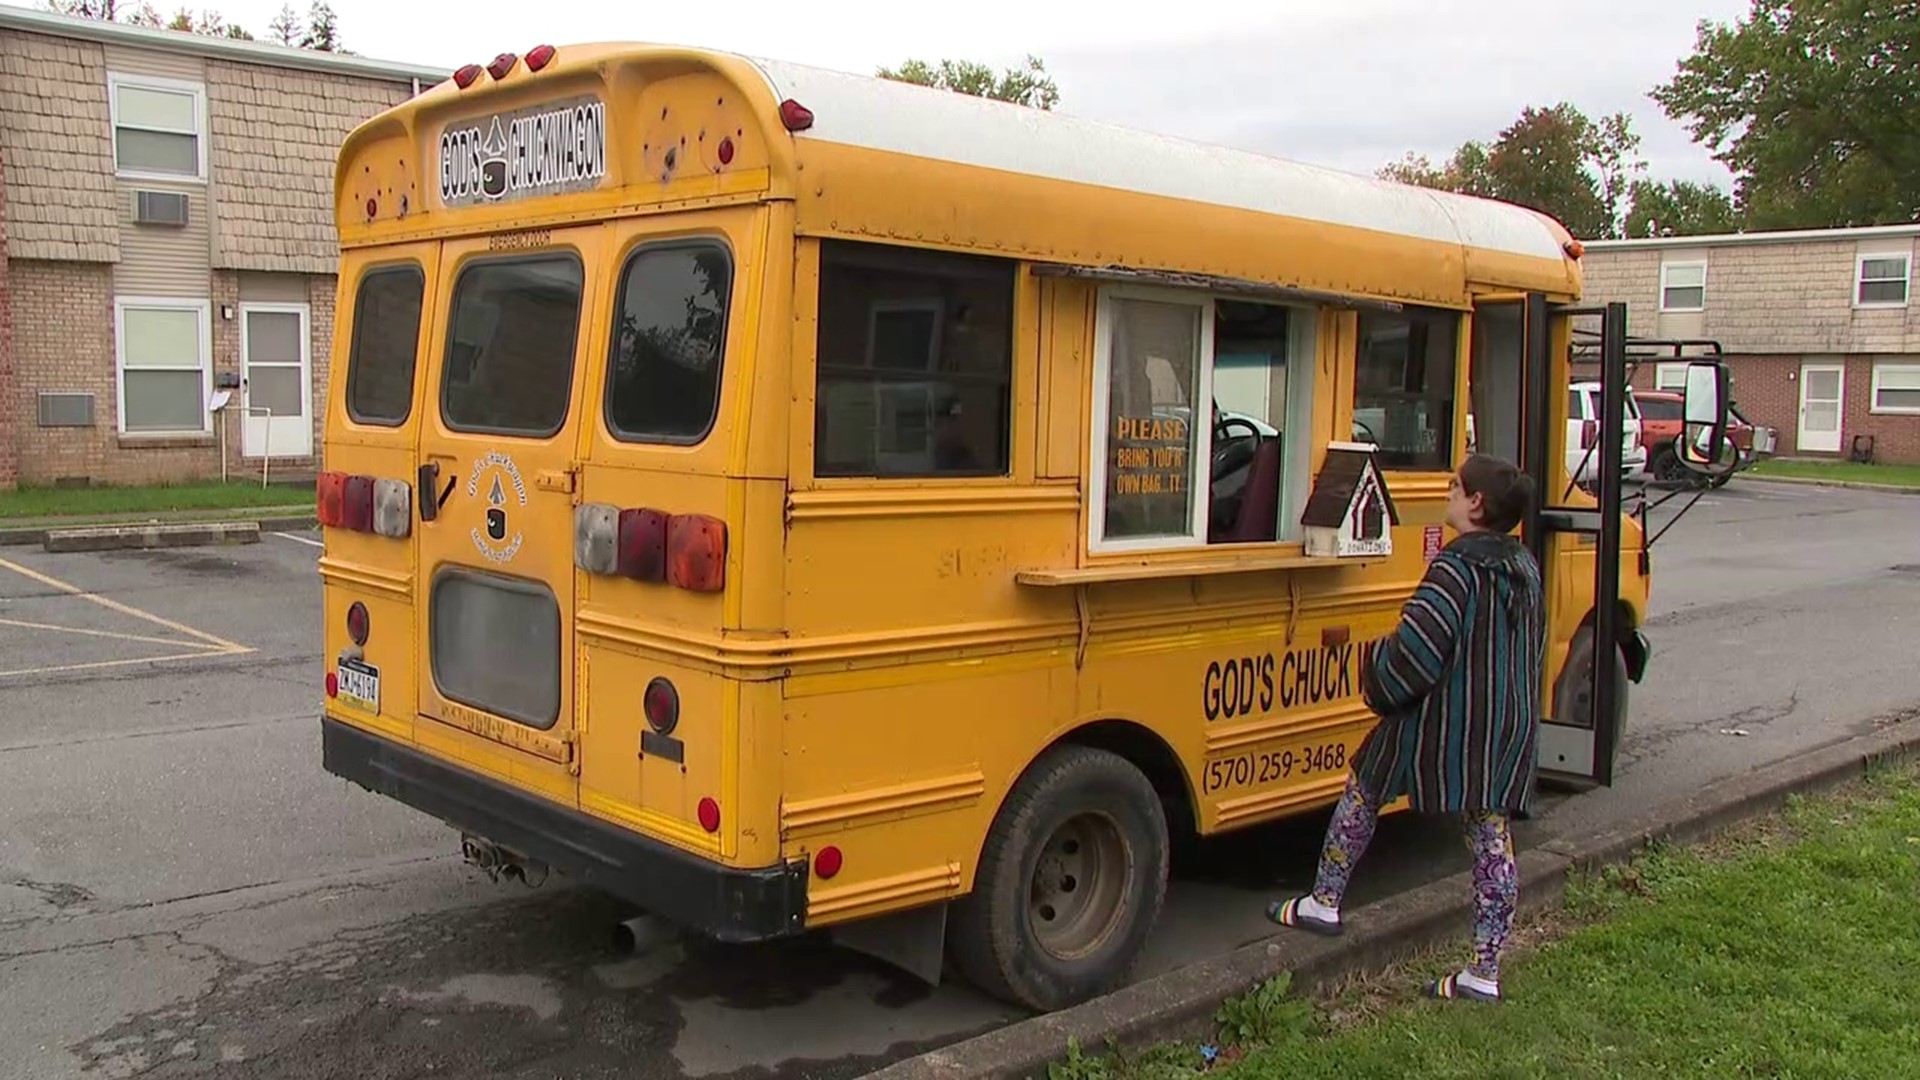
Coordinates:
<point>498,862</point>
<point>640,934</point>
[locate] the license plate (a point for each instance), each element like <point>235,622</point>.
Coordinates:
<point>360,685</point>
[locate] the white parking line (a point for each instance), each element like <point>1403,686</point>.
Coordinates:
<point>300,539</point>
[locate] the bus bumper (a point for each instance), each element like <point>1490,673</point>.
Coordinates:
<point>721,902</point>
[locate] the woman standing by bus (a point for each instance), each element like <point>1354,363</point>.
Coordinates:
<point>1457,687</point>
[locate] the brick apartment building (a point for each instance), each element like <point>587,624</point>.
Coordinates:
<point>1818,326</point>
<point>165,234</point>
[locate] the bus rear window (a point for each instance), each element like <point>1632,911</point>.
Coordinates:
<point>510,348</point>
<point>664,379</point>
<point>386,337</point>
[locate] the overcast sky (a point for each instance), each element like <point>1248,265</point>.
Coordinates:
<point>1347,83</point>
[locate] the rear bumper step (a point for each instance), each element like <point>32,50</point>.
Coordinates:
<point>719,901</point>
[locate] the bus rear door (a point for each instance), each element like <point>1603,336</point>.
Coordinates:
<point>497,452</point>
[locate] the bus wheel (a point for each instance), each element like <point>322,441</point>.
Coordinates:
<point>1070,882</point>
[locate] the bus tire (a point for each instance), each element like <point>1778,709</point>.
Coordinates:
<point>1070,883</point>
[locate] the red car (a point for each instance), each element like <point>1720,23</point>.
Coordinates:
<point>1661,423</point>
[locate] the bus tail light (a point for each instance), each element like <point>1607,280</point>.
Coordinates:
<point>364,504</point>
<point>709,815</point>
<point>329,494</point>
<point>697,552</point>
<point>359,623</point>
<point>539,56</point>
<point>392,508</point>
<point>358,504</point>
<point>662,704</point>
<point>688,551</point>
<point>642,553</point>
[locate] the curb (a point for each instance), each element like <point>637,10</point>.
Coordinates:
<point>36,536</point>
<point>1181,1003</point>
<point>122,537</point>
<point>1852,485</point>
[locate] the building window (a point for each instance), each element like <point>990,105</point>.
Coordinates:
<point>1882,280</point>
<point>165,355</point>
<point>1670,377</point>
<point>159,127</point>
<point>1896,388</point>
<point>1683,286</point>
<point>509,367</point>
<point>1403,386</point>
<point>1199,406</point>
<point>386,344</point>
<point>915,363</point>
<point>668,343</point>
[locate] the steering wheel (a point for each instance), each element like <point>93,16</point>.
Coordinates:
<point>1231,453</point>
<point>1363,433</point>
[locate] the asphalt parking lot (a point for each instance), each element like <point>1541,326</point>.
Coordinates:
<point>184,892</point>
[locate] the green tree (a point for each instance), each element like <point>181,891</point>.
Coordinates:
<point>1029,85</point>
<point>285,29</point>
<point>1556,160</point>
<point>1812,105</point>
<point>1679,208</point>
<point>323,29</point>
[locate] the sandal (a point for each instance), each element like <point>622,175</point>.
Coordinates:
<point>1288,913</point>
<point>1449,987</point>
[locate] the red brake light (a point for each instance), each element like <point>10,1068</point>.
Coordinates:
<point>357,504</point>
<point>358,623</point>
<point>329,495</point>
<point>697,553</point>
<point>795,116</point>
<point>828,862</point>
<point>710,815</point>
<point>501,65</point>
<point>662,703</point>
<point>641,553</point>
<point>465,76</point>
<point>539,56</point>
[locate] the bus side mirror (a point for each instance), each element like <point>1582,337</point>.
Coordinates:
<point>1703,436</point>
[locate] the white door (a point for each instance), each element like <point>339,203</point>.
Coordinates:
<point>1822,388</point>
<point>277,369</point>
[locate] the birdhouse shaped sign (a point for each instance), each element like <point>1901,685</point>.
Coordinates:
<point>1350,513</point>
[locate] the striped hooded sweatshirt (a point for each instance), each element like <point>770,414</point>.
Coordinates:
<point>1457,684</point>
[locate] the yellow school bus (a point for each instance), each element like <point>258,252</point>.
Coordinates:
<point>800,502</point>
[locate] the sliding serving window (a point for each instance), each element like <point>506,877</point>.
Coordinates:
<point>1195,401</point>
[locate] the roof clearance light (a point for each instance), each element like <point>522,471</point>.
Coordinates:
<point>502,65</point>
<point>539,56</point>
<point>1575,249</point>
<point>465,76</point>
<point>795,116</point>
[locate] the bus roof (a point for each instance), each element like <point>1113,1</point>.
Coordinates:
<point>878,159</point>
<point>903,118</point>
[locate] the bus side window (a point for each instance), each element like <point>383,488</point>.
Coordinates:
<point>915,363</point>
<point>1403,386</point>
<point>386,341</point>
<point>1262,396</point>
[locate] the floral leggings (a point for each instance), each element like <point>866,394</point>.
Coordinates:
<point>1496,882</point>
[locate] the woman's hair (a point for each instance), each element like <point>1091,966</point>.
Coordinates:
<point>1505,492</point>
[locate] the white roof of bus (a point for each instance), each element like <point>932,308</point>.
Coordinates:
<point>883,114</point>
